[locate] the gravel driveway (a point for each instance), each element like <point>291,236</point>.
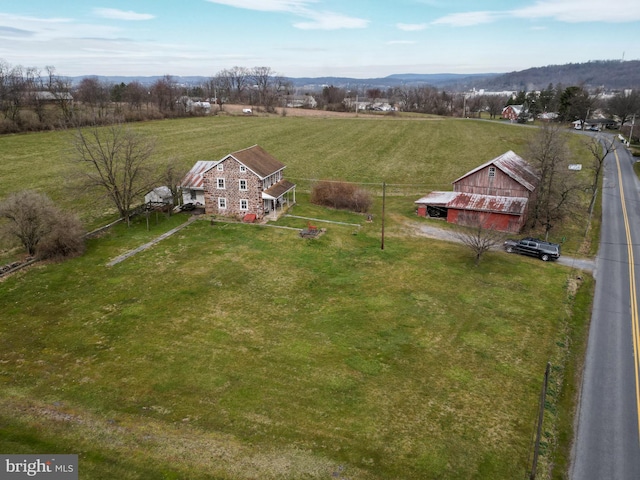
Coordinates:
<point>431,231</point>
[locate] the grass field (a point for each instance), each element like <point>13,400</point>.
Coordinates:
<point>429,154</point>
<point>239,351</point>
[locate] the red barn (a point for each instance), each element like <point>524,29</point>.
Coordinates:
<point>512,112</point>
<point>497,193</point>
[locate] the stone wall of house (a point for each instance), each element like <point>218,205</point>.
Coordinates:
<point>232,174</point>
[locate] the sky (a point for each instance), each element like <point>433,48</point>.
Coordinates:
<point>314,38</point>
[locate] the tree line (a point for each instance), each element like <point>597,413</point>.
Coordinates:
<point>32,99</point>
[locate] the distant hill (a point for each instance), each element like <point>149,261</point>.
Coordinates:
<point>609,74</point>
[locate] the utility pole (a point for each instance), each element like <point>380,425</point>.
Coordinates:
<point>633,122</point>
<point>384,186</point>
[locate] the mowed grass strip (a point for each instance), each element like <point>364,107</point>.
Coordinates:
<point>238,351</point>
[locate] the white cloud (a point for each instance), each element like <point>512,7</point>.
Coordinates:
<point>115,14</point>
<point>330,21</point>
<point>314,20</point>
<point>411,27</point>
<point>576,11</point>
<point>467,19</point>
<point>266,5</point>
<point>567,11</point>
<point>45,29</point>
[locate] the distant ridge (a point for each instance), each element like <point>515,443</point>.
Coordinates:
<point>608,74</point>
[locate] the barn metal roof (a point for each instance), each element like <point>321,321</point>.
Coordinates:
<point>439,199</point>
<point>476,202</point>
<point>512,165</point>
<point>194,179</point>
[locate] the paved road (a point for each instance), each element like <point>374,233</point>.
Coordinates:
<point>607,444</point>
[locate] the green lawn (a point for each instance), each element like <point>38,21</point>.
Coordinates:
<point>239,351</point>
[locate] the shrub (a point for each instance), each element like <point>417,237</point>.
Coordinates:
<point>42,229</point>
<point>65,238</point>
<point>341,195</point>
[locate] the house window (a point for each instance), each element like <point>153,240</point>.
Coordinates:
<point>222,203</point>
<point>194,196</point>
<point>243,168</point>
<point>220,167</point>
<point>244,204</point>
<point>492,172</point>
<point>220,183</point>
<point>243,185</point>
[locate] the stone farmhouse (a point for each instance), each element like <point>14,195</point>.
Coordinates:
<point>246,184</point>
<point>496,193</point>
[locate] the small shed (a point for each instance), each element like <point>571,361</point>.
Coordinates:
<point>159,197</point>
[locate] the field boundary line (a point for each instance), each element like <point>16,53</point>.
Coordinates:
<point>150,244</point>
<point>325,221</point>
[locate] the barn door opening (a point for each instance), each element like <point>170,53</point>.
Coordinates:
<point>436,212</point>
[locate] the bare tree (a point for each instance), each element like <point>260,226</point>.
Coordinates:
<point>94,94</point>
<point>118,162</point>
<point>135,95</point>
<point>27,214</point>
<point>262,78</point>
<point>171,177</point>
<point>477,236</point>
<point>60,89</point>
<point>495,104</point>
<point>555,195</point>
<point>625,104</point>
<point>12,91</point>
<point>235,81</point>
<point>165,92</point>
<point>599,149</point>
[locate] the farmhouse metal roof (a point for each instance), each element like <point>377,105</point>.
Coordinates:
<point>512,165</point>
<point>194,179</point>
<point>278,189</point>
<point>257,160</point>
<point>476,202</point>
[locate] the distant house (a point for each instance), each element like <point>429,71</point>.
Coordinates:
<point>497,193</point>
<point>548,116</point>
<point>192,185</point>
<point>248,182</point>
<point>194,106</point>
<point>301,101</point>
<point>512,112</point>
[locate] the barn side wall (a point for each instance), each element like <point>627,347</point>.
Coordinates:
<point>500,184</point>
<point>490,220</point>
